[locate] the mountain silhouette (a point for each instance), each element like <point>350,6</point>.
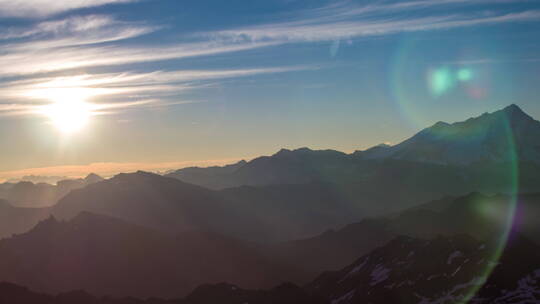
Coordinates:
<point>284,167</point>
<point>404,270</point>
<point>290,217</point>
<point>29,194</point>
<point>273,213</point>
<point>492,153</point>
<point>14,220</point>
<point>107,256</point>
<point>223,293</point>
<point>296,194</point>
<point>484,217</point>
<point>443,270</point>
<point>501,136</point>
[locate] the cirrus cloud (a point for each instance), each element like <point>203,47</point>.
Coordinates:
<point>42,8</point>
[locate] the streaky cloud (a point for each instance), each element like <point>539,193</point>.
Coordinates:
<point>312,30</point>
<point>40,61</point>
<point>111,92</point>
<point>43,8</point>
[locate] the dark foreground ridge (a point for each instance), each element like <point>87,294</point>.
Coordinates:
<point>406,270</point>
<point>207,294</point>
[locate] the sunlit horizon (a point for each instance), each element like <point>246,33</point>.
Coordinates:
<point>79,82</point>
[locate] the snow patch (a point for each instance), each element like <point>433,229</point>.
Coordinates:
<point>453,255</point>
<point>527,291</point>
<point>455,295</point>
<point>379,274</point>
<point>345,297</point>
<point>355,270</point>
<point>454,273</point>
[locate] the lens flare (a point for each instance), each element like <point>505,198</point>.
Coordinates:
<point>441,80</point>
<point>511,173</point>
<point>444,79</point>
<point>474,82</point>
<point>464,74</point>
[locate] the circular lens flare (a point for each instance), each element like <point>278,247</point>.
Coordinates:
<point>441,81</point>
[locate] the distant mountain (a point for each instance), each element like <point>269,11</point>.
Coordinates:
<point>210,177</point>
<point>481,216</point>
<point>443,270</point>
<point>285,167</point>
<point>262,214</point>
<point>161,203</point>
<point>293,211</point>
<point>501,136</point>
<point>492,153</point>
<point>491,137</point>
<point>15,220</point>
<point>29,194</point>
<point>106,256</point>
<point>36,179</point>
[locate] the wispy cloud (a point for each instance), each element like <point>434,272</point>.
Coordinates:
<point>78,42</point>
<point>69,32</point>
<point>340,22</point>
<point>45,60</point>
<point>42,8</point>
<point>116,91</point>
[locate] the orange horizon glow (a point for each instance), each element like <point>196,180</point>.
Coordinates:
<point>107,169</point>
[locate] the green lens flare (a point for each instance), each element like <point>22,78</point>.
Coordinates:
<point>464,75</point>
<point>441,81</point>
<point>512,180</point>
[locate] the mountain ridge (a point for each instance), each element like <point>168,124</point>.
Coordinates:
<point>109,256</point>
<point>488,137</point>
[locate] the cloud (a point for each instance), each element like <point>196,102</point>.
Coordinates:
<point>340,26</point>
<point>45,60</point>
<point>96,40</point>
<point>69,32</point>
<point>116,91</point>
<point>43,8</point>
<point>34,53</point>
<point>76,25</point>
<point>91,41</point>
<point>346,9</point>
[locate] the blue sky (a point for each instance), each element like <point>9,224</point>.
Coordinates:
<point>188,81</point>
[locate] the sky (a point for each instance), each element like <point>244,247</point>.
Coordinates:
<point>117,85</point>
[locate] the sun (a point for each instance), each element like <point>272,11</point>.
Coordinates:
<point>68,112</point>
<point>68,116</point>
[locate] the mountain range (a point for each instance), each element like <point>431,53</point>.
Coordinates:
<point>414,223</point>
<point>494,153</point>
<point>108,256</point>
<point>89,251</point>
<point>292,194</point>
<point>504,136</point>
<point>456,269</point>
<point>30,194</point>
<point>406,270</point>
